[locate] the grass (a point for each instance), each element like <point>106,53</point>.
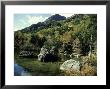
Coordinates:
<point>37,68</point>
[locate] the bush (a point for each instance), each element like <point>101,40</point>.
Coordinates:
<point>88,70</point>
<point>72,73</point>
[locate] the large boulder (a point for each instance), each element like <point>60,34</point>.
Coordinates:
<point>70,65</point>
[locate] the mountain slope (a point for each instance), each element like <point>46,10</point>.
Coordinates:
<point>52,20</point>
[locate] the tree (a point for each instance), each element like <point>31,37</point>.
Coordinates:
<point>88,29</point>
<point>19,40</point>
<point>76,46</point>
<point>37,41</point>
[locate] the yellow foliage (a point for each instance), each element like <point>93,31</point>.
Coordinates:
<point>88,70</point>
<point>72,73</point>
<point>66,37</point>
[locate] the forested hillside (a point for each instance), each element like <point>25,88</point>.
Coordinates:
<point>63,39</point>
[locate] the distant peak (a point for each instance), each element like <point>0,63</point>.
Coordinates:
<point>56,17</point>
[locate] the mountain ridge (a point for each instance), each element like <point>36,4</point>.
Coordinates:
<point>45,24</point>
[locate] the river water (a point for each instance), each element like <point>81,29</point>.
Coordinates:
<point>20,71</point>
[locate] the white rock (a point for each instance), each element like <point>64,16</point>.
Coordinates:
<point>41,56</point>
<point>44,51</point>
<point>70,64</point>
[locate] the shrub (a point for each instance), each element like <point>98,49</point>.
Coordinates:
<point>88,70</point>
<point>72,73</point>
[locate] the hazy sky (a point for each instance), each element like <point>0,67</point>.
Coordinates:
<point>24,20</point>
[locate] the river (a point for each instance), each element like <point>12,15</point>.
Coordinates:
<point>20,71</point>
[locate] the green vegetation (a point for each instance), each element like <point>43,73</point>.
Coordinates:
<point>40,68</point>
<point>74,35</point>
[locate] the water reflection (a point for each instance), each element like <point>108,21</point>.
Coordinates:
<point>20,71</point>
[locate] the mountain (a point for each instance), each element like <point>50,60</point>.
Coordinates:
<point>48,22</point>
<point>56,17</point>
<point>33,27</point>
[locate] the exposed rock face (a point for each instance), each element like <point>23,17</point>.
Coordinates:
<point>47,56</point>
<point>70,65</point>
<point>44,50</point>
<point>41,57</point>
<point>42,54</point>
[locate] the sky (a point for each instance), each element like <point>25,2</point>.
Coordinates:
<point>24,20</point>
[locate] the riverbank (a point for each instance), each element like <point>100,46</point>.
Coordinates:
<point>20,71</point>
<point>37,68</point>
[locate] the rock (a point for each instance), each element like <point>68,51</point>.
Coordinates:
<point>41,57</point>
<point>46,56</point>
<point>75,55</point>
<point>70,65</point>
<point>42,54</point>
<point>43,50</point>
